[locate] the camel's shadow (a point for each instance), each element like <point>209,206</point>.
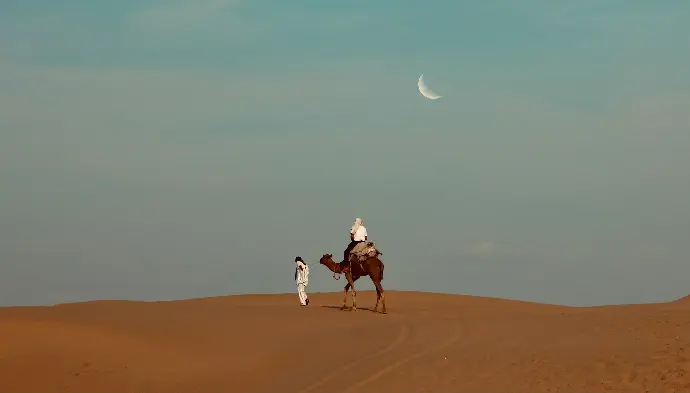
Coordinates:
<point>348,308</point>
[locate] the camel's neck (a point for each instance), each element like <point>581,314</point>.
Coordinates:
<point>333,266</point>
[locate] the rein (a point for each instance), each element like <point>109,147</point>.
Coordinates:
<point>339,273</point>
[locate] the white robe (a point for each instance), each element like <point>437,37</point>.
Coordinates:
<point>302,281</point>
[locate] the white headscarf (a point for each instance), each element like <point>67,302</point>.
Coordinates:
<point>358,223</point>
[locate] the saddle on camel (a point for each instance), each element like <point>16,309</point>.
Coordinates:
<point>361,252</point>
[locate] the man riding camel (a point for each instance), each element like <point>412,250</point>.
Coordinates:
<point>358,234</point>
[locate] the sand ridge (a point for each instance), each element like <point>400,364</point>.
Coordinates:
<point>266,343</point>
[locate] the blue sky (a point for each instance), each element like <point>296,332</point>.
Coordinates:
<point>174,149</point>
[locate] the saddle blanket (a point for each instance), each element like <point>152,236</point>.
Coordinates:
<point>365,250</point>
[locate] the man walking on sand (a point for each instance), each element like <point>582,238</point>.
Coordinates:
<point>302,280</point>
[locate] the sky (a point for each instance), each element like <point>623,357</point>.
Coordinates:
<point>161,150</point>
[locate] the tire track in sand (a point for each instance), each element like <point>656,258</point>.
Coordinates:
<point>455,336</point>
<point>402,335</point>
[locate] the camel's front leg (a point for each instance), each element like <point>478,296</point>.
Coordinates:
<point>351,282</point>
<point>347,287</point>
<point>382,296</point>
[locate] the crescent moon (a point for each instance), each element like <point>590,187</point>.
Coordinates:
<point>426,92</point>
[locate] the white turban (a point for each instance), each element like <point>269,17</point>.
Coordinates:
<point>358,223</point>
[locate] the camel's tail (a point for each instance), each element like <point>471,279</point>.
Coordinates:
<point>382,267</point>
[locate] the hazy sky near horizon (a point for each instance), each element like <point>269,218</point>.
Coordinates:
<point>170,149</point>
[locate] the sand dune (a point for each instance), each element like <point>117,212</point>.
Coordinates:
<point>267,343</point>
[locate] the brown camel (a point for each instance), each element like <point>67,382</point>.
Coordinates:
<point>372,267</point>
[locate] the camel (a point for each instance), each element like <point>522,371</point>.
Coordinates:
<point>372,267</point>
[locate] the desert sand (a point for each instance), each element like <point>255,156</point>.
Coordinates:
<point>268,343</point>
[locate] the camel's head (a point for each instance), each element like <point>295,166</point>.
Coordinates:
<point>325,258</point>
